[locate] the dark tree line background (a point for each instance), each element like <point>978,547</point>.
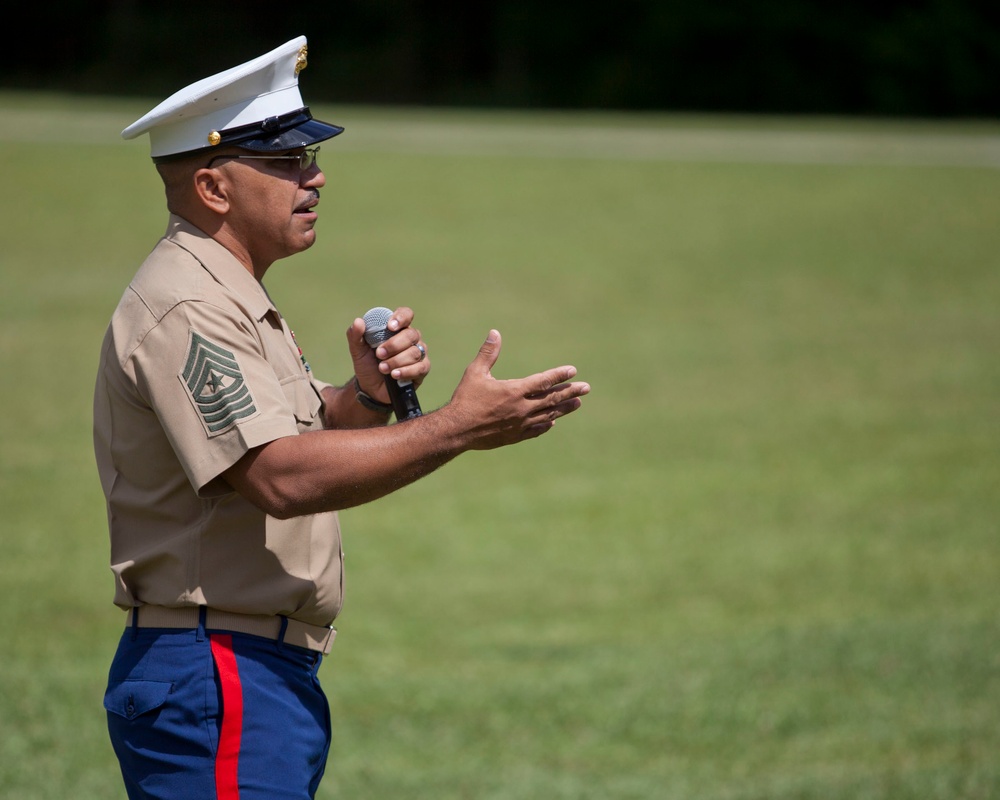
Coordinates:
<point>893,57</point>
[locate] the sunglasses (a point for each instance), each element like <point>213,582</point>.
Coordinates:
<point>306,158</point>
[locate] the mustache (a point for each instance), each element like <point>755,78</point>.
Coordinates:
<point>311,200</point>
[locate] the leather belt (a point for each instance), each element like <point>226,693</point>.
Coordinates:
<point>317,638</point>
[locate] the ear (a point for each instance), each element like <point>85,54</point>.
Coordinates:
<point>212,189</point>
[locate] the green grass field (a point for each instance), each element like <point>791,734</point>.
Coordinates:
<point>762,563</point>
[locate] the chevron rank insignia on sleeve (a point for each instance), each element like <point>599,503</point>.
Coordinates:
<point>213,377</point>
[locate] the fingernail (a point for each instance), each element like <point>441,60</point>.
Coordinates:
<point>393,324</point>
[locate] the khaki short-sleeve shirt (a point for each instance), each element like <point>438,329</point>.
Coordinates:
<point>197,368</point>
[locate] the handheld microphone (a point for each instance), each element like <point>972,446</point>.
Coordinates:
<point>401,393</point>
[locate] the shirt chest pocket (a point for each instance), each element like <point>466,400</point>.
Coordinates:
<point>304,402</point>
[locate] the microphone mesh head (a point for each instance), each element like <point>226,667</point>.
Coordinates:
<point>376,331</point>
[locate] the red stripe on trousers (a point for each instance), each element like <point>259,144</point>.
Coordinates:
<point>227,785</point>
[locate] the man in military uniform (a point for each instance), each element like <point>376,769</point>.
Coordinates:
<point>224,460</point>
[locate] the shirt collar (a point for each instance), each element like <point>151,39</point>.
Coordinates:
<point>222,265</point>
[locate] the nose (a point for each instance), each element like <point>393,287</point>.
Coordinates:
<point>313,177</point>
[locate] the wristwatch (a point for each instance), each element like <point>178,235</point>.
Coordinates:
<point>368,401</point>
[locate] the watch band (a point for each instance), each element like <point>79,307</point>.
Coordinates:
<point>368,401</point>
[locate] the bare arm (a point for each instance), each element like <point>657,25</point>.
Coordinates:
<point>335,469</point>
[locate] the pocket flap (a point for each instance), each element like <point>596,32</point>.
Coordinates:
<point>303,399</point>
<point>131,699</point>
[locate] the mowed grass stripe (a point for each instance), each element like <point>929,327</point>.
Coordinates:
<point>642,137</point>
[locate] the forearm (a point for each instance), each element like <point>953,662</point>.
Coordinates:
<point>347,464</point>
<point>336,469</point>
<point>342,411</point>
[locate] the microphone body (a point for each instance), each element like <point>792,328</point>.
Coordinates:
<point>402,393</point>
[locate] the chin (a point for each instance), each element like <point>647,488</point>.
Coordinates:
<point>304,241</point>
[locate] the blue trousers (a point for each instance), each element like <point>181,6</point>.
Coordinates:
<point>199,714</point>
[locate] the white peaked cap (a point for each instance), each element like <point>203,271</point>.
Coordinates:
<point>256,106</point>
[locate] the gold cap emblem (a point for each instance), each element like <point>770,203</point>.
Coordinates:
<point>214,138</point>
<point>300,61</point>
